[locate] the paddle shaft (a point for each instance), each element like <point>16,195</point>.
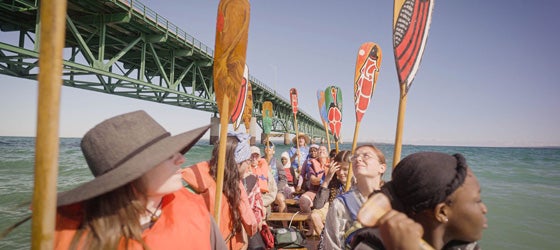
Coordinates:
<point>354,145</point>
<point>221,161</point>
<point>297,140</point>
<point>53,27</point>
<point>400,125</point>
<point>327,134</point>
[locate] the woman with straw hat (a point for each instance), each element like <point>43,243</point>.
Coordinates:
<point>136,199</point>
<point>298,153</point>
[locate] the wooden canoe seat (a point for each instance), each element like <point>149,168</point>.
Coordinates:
<point>300,218</point>
<point>291,202</point>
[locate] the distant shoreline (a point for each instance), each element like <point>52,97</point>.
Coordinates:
<point>378,143</point>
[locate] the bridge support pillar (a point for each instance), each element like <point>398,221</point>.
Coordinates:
<point>286,138</point>
<point>214,130</point>
<point>253,131</point>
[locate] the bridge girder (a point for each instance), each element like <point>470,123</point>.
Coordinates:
<point>126,49</point>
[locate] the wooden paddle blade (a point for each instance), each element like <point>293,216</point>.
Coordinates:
<point>232,28</point>
<point>294,100</point>
<point>268,114</point>
<point>368,64</point>
<point>321,105</point>
<point>248,112</point>
<point>333,101</point>
<point>411,23</point>
<point>236,115</point>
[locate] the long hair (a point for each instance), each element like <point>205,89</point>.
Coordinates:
<point>231,180</point>
<point>335,185</point>
<point>380,156</point>
<point>111,218</point>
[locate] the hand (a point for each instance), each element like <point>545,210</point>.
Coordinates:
<point>332,171</point>
<point>400,232</point>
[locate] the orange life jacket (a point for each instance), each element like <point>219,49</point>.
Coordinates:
<point>261,171</point>
<point>184,224</point>
<point>199,179</point>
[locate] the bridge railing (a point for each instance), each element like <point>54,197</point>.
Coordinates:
<point>275,93</point>
<point>164,24</point>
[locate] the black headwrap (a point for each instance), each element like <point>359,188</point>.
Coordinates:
<point>423,180</point>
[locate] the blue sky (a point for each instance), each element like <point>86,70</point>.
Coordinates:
<point>486,79</point>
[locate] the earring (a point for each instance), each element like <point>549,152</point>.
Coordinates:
<point>445,219</point>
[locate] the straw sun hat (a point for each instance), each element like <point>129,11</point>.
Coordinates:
<point>123,148</point>
<point>307,140</point>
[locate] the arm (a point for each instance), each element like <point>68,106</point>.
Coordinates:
<point>282,180</point>
<point>334,226</point>
<point>317,172</point>
<point>216,239</point>
<point>268,198</point>
<point>246,212</point>
<point>321,198</point>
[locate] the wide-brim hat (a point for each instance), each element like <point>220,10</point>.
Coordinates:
<point>307,140</point>
<point>122,149</point>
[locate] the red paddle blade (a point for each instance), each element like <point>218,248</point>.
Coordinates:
<point>232,28</point>
<point>294,100</point>
<point>368,63</point>
<point>236,115</point>
<point>333,101</point>
<point>411,23</point>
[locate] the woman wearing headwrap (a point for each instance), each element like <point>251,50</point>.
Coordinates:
<point>441,193</point>
<point>236,214</point>
<point>290,173</point>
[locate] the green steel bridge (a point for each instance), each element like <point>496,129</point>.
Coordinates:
<point>121,47</point>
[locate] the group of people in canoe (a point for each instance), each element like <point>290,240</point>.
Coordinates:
<point>142,198</point>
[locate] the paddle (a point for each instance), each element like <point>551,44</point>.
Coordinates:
<point>248,112</point>
<point>294,102</point>
<point>368,63</point>
<point>333,100</point>
<point>323,113</point>
<point>411,22</point>
<point>232,27</point>
<point>267,115</point>
<point>53,27</point>
<point>237,113</point>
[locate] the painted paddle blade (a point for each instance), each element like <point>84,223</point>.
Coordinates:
<point>232,29</point>
<point>294,100</point>
<point>268,114</point>
<point>248,111</point>
<point>411,23</point>
<point>236,115</point>
<point>230,49</point>
<point>333,102</point>
<point>368,64</point>
<point>321,105</point>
